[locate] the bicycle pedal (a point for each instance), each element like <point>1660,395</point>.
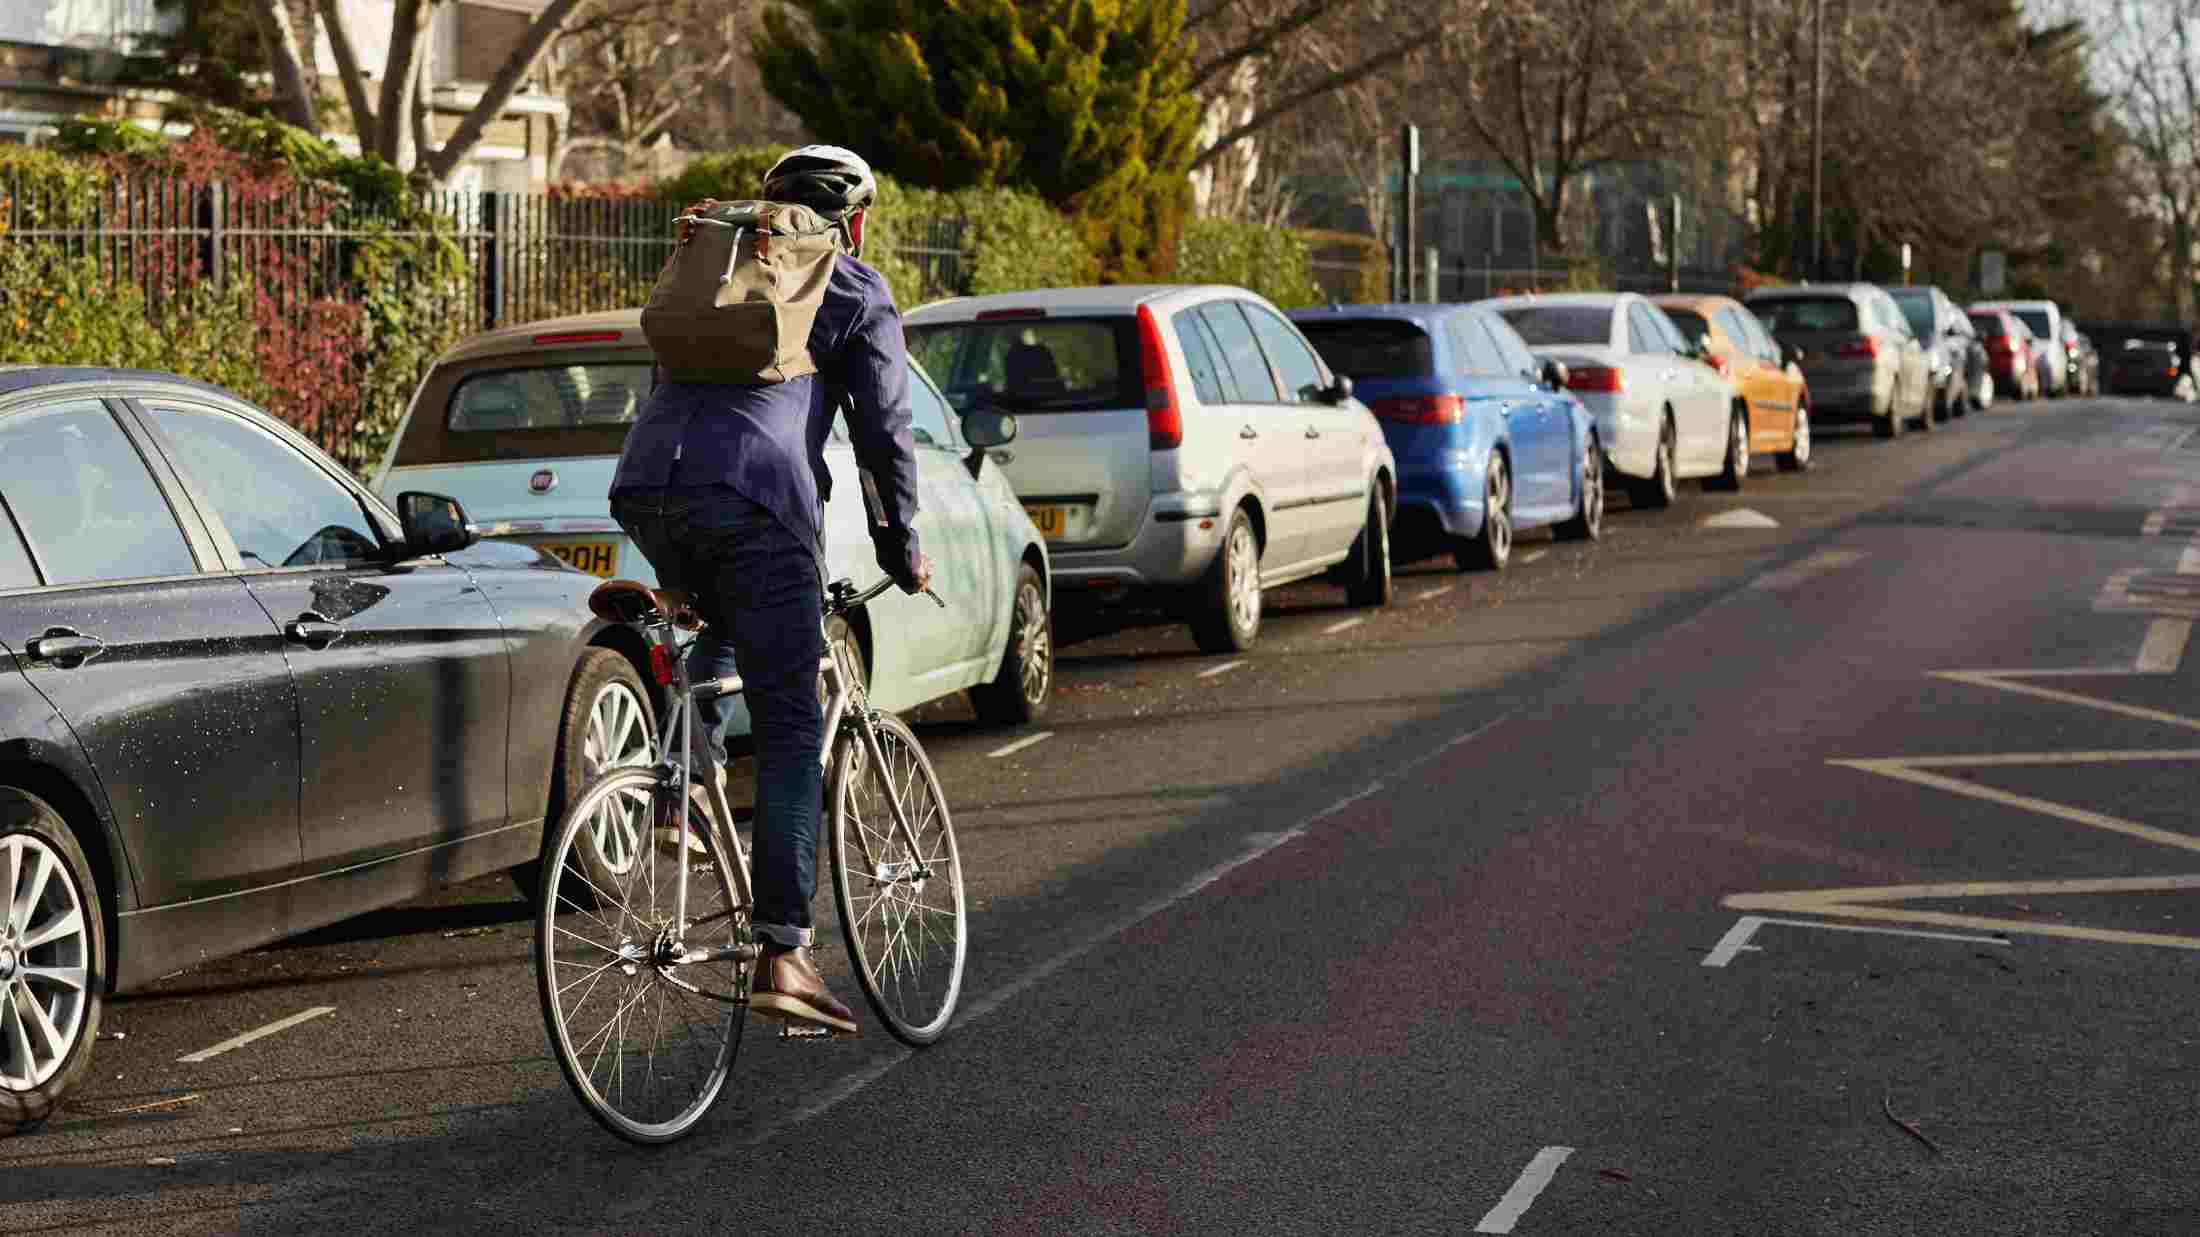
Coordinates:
<point>792,1031</point>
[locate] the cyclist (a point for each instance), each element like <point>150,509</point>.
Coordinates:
<point>723,489</point>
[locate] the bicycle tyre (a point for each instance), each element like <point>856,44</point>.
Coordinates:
<point>907,939</point>
<point>589,937</point>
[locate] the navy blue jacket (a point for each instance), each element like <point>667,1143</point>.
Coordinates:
<point>768,442</point>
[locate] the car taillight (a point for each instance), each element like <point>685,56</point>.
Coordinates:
<point>1164,420</point>
<point>1420,409</point>
<point>2071,348</point>
<point>1866,349</point>
<point>1595,378</point>
<point>2000,343</point>
<point>1716,361</point>
<point>565,338</point>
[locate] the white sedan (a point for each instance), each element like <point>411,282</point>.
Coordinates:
<point>1661,414</point>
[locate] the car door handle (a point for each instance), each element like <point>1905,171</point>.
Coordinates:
<point>65,647</point>
<point>1248,432</point>
<point>313,630</point>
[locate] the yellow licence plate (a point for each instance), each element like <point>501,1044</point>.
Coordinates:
<point>1053,521</point>
<point>597,558</point>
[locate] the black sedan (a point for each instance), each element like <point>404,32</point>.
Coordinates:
<point>2148,367</point>
<point>241,698</point>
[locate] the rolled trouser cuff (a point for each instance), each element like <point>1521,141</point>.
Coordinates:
<point>786,937</point>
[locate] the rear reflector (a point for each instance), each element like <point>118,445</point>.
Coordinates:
<point>995,315</point>
<point>1419,409</point>
<point>1164,420</point>
<point>1595,378</point>
<point>578,337</point>
<point>1859,349</point>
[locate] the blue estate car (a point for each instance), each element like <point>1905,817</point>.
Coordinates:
<point>1487,440</point>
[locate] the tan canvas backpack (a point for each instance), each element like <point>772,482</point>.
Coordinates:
<point>736,300</point>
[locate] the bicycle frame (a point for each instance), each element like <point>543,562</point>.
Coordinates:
<point>845,703</point>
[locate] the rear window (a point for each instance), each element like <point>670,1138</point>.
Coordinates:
<point>1371,347</point>
<point>1691,323</point>
<point>548,397</point>
<point>1919,310</point>
<point>1034,364</point>
<point>1987,324</point>
<point>1799,313</point>
<point>1560,324</point>
<point>2034,318</point>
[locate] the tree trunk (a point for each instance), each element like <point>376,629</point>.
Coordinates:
<point>293,96</point>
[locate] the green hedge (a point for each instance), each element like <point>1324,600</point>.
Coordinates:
<point>1270,261</point>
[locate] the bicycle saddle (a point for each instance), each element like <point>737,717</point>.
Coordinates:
<point>622,601</point>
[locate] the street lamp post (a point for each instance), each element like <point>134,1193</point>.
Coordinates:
<point>1817,138</point>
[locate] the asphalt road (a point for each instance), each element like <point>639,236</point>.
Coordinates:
<point>1824,874</point>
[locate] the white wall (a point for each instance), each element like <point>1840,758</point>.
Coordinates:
<point>109,24</point>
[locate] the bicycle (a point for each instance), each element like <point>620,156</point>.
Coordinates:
<point>642,931</point>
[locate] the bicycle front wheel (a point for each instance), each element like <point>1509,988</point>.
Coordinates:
<point>645,1036</point>
<point>900,897</point>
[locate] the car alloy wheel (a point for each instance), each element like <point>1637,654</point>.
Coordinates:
<point>1797,457</point>
<point>46,962</point>
<point>1244,560</point>
<point>1491,549</point>
<point>617,736</point>
<point>1587,523</point>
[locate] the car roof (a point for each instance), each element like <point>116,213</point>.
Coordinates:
<point>1419,313</point>
<point>17,377</point>
<point>528,336</point>
<point>1691,300</point>
<point>1096,300</point>
<point>1787,291</point>
<point>1596,300</point>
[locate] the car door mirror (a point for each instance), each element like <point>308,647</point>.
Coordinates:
<point>986,428</point>
<point>1338,391</point>
<point>1554,375</point>
<point>434,524</point>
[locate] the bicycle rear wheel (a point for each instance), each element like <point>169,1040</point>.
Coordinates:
<point>901,908</point>
<point>645,1051</point>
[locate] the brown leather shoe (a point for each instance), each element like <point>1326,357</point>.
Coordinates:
<point>788,986</point>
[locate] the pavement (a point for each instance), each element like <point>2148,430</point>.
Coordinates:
<point>1827,872</point>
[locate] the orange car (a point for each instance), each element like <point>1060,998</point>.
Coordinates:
<point>1732,341</point>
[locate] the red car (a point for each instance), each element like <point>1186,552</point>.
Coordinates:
<point>2010,352</point>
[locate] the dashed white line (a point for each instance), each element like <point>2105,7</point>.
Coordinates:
<point>1435,593</point>
<point>1735,941</point>
<point>1224,668</point>
<point>246,1038</point>
<point>1522,1195</point>
<point>1010,749</point>
<point>1346,625</point>
<point>1529,558</point>
<point>2164,649</point>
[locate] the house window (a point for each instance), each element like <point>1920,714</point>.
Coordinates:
<point>96,25</point>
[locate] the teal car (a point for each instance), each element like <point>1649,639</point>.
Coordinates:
<point>524,427</point>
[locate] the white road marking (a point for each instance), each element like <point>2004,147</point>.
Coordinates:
<point>246,1038</point>
<point>1224,668</point>
<point>1735,941</point>
<point>1346,625</point>
<point>2188,563</point>
<point>1817,564</point>
<point>1010,749</point>
<point>1737,937</point>
<point>1740,517</point>
<point>2164,649</point>
<point>1529,558</point>
<point>1435,593</point>
<point>1522,1195</point>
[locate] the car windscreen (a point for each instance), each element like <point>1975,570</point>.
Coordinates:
<point>1371,347</point>
<point>1806,313</point>
<point>1541,325</point>
<point>1034,364</point>
<point>1918,308</point>
<point>2034,318</point>
<point>548,397</point>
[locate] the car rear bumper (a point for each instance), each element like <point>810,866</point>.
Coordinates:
<point>1848,393</point>
<point>1444,503</point>
<point>1173,547</point>
<point>1629,439</point>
